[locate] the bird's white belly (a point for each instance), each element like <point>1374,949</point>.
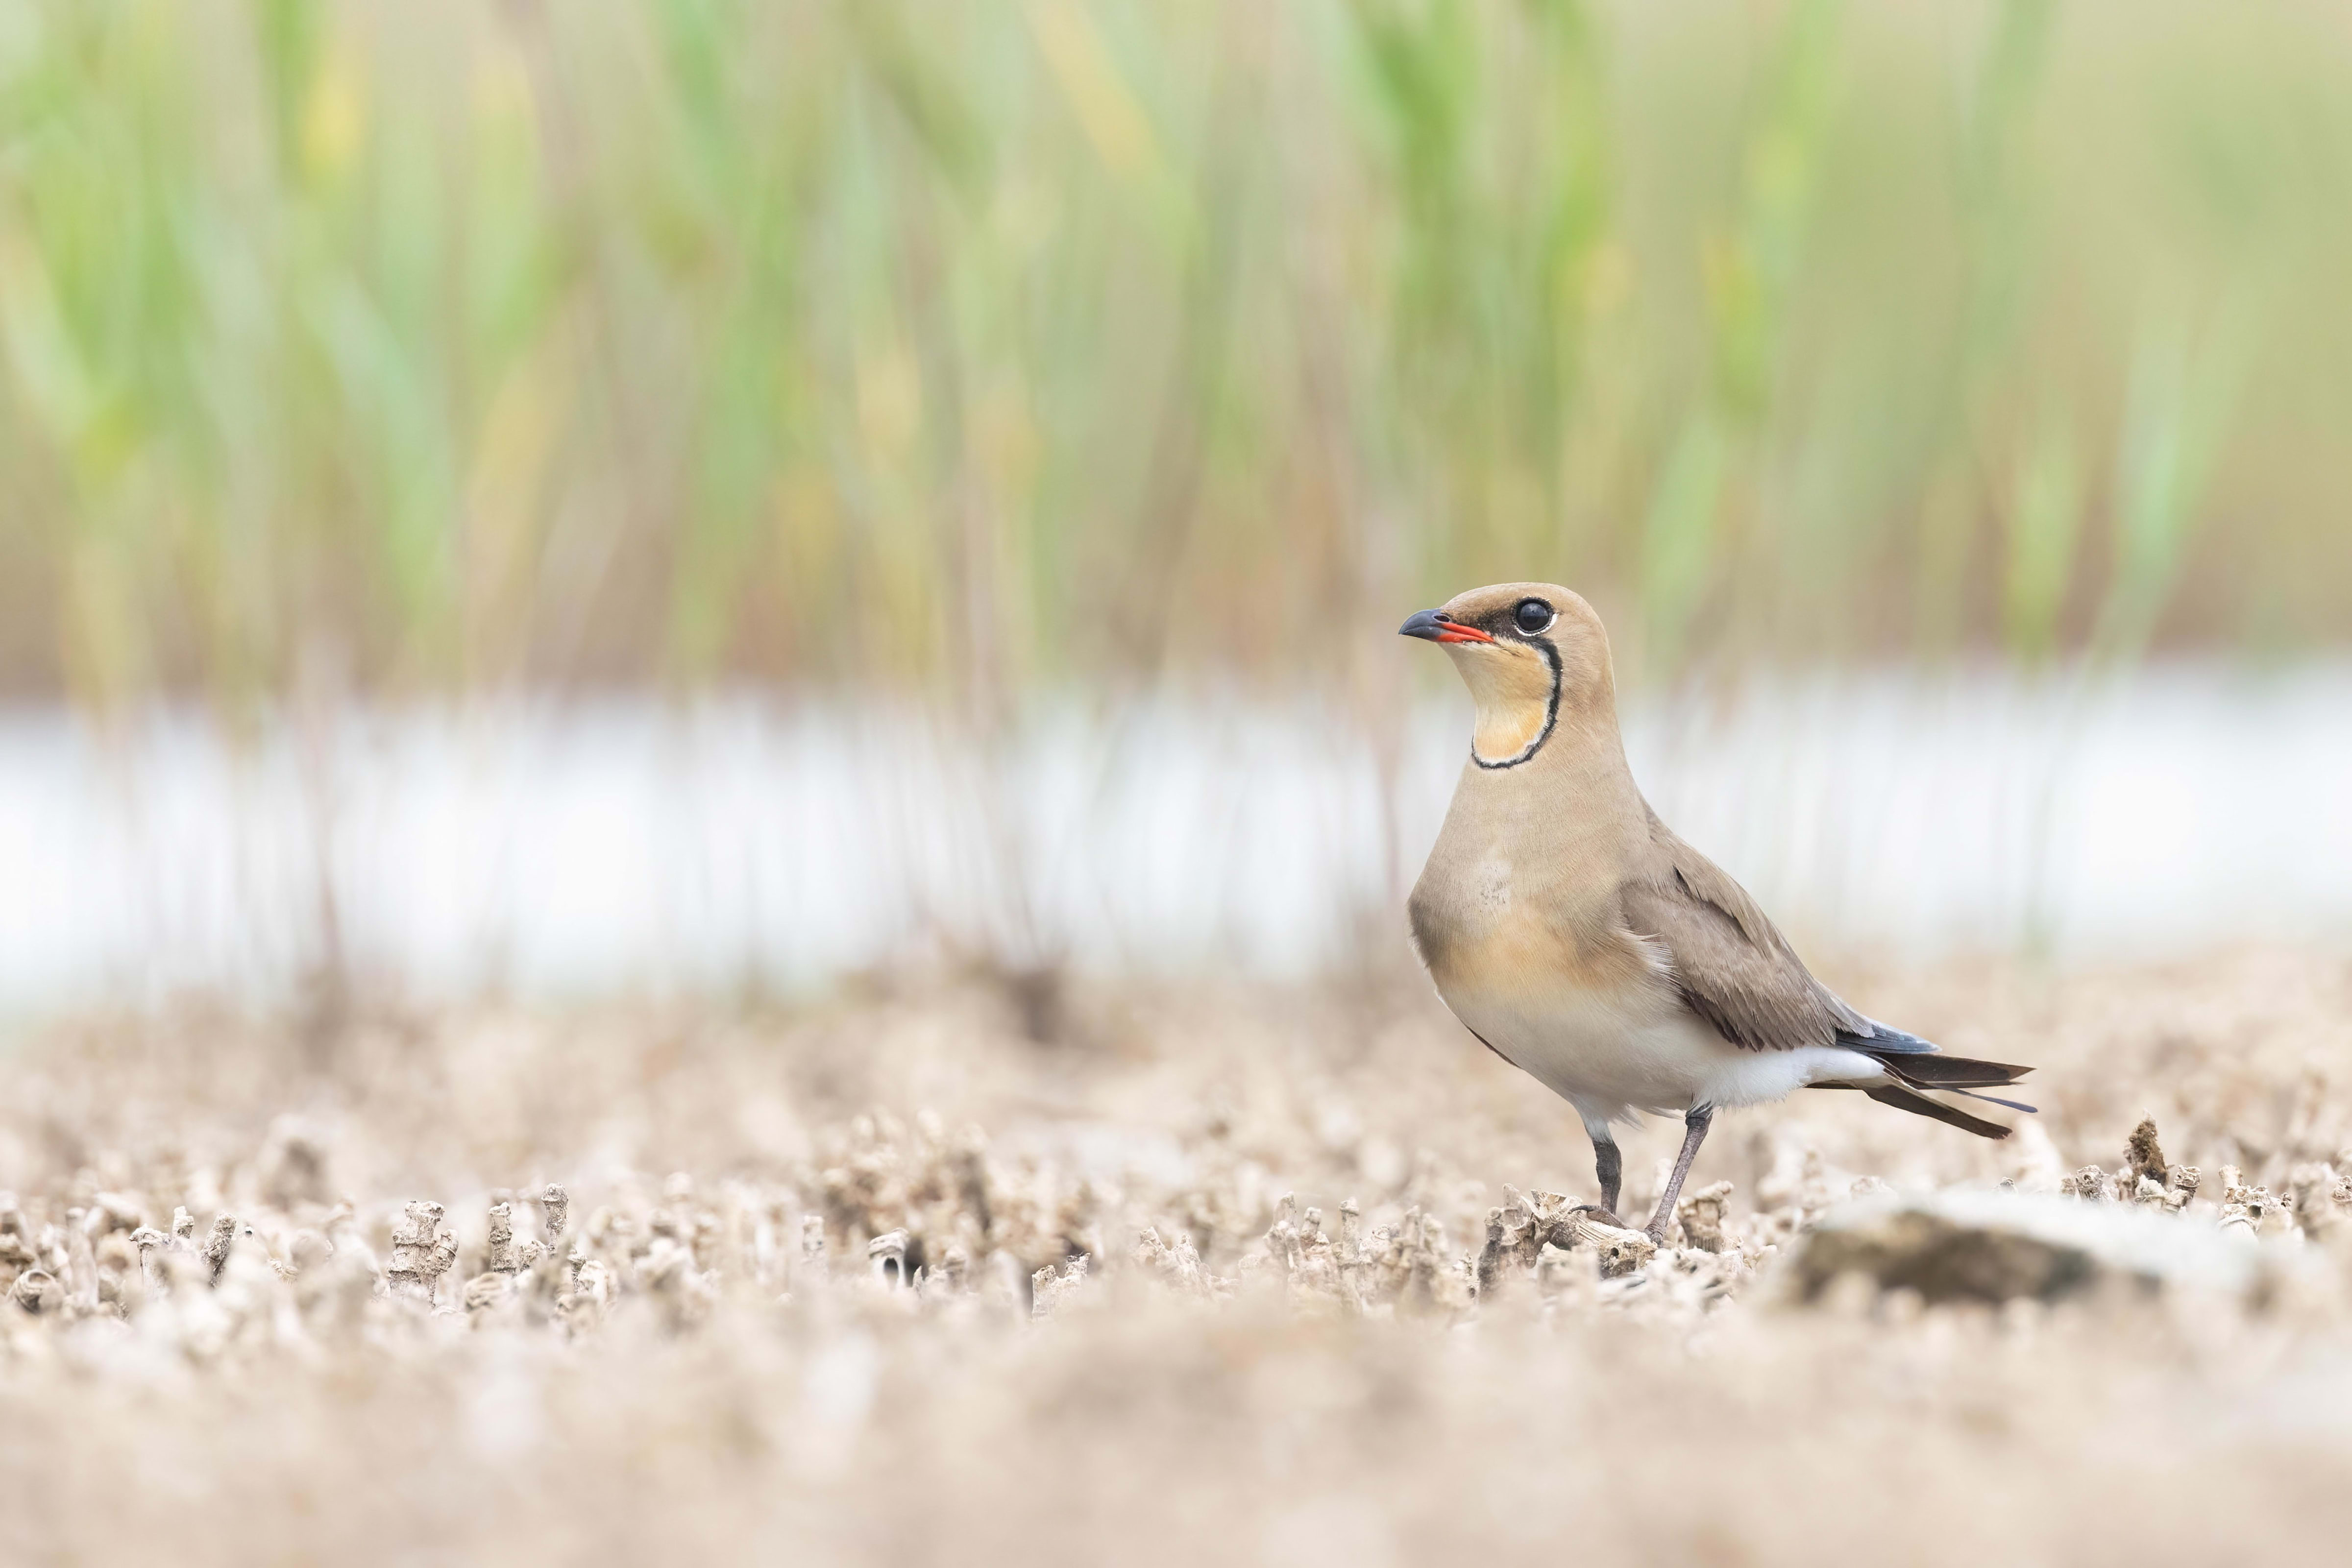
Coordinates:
<point>1613,1057</point>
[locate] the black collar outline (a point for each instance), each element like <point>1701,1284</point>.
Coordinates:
<point>1552,714</point>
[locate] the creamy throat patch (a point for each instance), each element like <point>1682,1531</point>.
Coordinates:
<point>1503,736</point>
<point>1516,689</point>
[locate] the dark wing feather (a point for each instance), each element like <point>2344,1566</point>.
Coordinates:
<point>1886,1039</point>
<point>1733,967</point>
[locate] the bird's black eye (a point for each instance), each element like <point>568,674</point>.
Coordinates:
<point>1532,615</point>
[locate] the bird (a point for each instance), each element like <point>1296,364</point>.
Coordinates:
<point>1580,939</point>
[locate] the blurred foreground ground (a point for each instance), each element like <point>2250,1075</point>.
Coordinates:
<point>695,1383</point>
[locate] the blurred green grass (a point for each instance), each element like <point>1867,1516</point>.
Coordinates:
<point>431,346</point>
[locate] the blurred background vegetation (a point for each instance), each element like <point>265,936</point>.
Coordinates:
<point>417,347</point>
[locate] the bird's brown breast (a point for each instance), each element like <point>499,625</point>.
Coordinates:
<point>1489,921</point>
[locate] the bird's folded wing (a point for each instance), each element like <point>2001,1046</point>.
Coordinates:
<point>1733,967</point>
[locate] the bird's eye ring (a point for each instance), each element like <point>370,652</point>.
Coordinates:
<point>1532,616</point>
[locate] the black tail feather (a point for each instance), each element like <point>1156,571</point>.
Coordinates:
<point>1940,1072</point>
<point>1904,1099</point>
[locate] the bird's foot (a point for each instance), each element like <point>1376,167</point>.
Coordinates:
<point>1606,1215</point>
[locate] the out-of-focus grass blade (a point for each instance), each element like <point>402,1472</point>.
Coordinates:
<point>2184,389</point>
<point>2045,526</point>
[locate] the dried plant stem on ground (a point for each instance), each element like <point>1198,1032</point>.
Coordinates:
<point>1275,1277</point>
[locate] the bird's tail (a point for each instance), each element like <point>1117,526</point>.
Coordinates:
<point>1915,1071</point>
<point>1941,1072</point>
<point>1919,1105</point>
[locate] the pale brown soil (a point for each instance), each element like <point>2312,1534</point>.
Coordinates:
<point>695,1387</point>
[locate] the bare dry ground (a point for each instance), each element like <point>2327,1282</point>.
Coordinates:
<point>1132,1318</point>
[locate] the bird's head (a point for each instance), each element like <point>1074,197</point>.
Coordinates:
<point>1529,653</point>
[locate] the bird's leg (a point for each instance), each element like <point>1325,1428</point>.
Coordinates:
<point>1693,1133</point>
<point>1609,1164</point>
